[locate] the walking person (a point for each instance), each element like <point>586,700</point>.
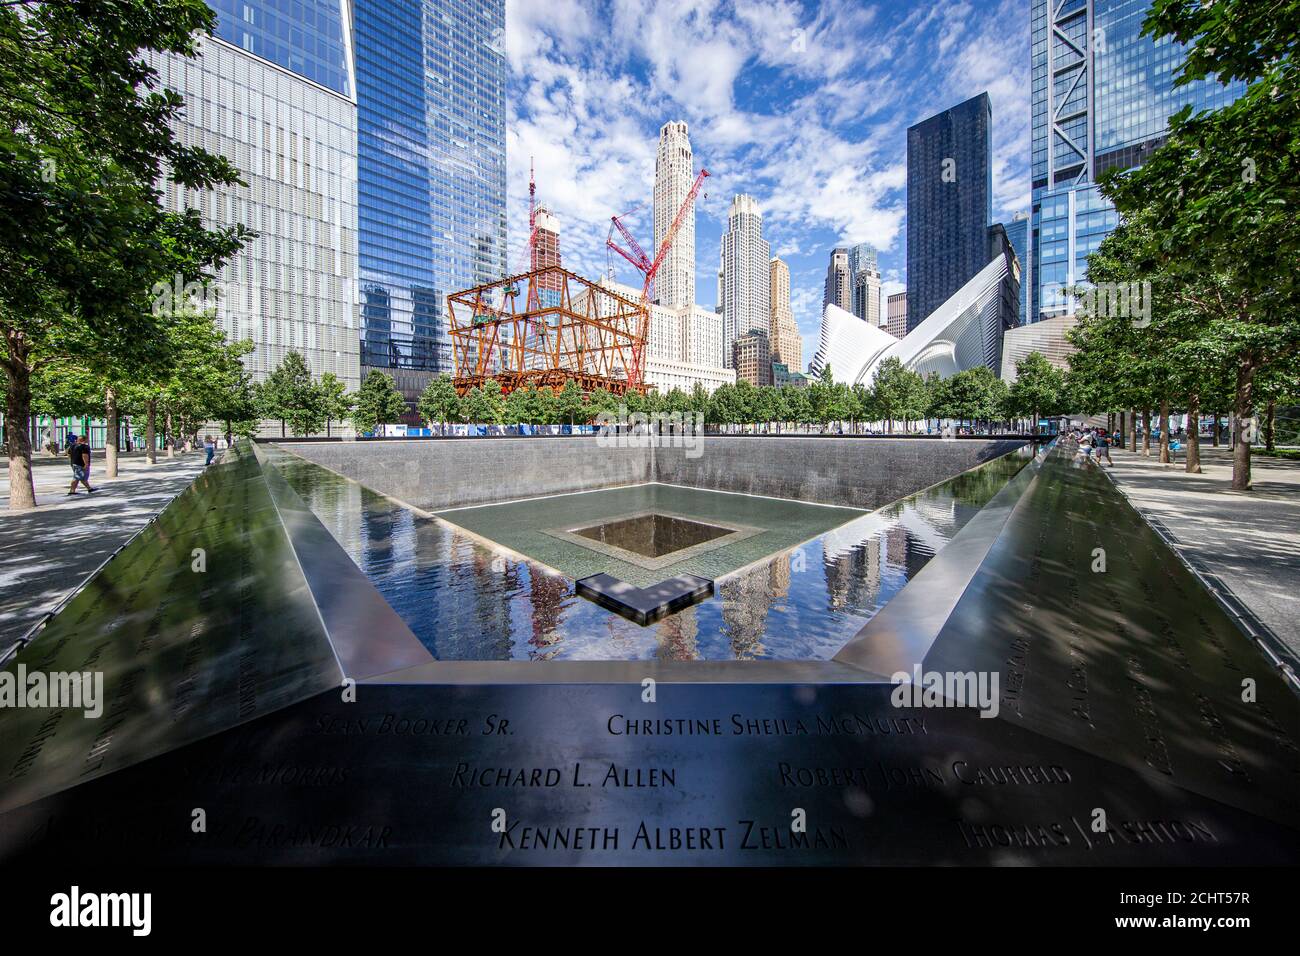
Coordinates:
<point>1103,449</point>
<point>209,446</point>
<point>79,457</point>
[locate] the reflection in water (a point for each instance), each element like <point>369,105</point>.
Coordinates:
<point>467,602</point>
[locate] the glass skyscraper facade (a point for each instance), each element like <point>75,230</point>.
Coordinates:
<point>949,203</point>
<point>431,173</point>
<point>272,92</point>
<point>1102,96</point>
<point>307,37</point>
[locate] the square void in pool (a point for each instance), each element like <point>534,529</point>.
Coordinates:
<point>647,533</point>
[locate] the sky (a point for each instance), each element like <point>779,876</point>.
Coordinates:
<point>804,106</point>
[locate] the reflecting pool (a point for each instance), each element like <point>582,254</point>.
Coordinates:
<point>465,600</point>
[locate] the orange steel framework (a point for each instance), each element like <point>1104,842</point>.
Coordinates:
<point>544,328</point>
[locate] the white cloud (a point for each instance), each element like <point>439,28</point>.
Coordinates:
<point>812,124</point>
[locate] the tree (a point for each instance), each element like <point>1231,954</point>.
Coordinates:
<point>1219,196</point>
<point>290,395</point>
<point>900,394</point>
<point>335,402</point>
<point>483,404</point>
<point>569,403</point>
<point>439,403</point>
<point>85,149</point>
<point>518,407</point>
<point>797,406</point>
<point>1037,390</point>
<point>378,403</point>
<point>974,394</point>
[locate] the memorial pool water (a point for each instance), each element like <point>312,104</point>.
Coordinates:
<point>466,600</point>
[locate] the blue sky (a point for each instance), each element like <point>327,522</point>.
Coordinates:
<point>803,105</point>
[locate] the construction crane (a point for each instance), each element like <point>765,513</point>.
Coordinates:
<point>648,267</point>
<point>526,260</point>
<point>637,255</point>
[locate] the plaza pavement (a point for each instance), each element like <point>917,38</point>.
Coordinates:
<point>48,552</point>
<point>1249,540</point>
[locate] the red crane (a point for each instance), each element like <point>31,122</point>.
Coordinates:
<point>637,256</point>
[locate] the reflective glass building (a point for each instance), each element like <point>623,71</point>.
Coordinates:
<point>272,91</point>
<point>431,173</point>
<point>306,37</point>
<point>1018,236</point>
<point>949,204</point>
<point>1102,96</point>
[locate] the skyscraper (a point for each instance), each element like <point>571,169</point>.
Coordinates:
<point>1018,235</point>
<point>865,278</point>
<point>674,176</point>
<point>896,314</point>
<point>786,342</point>
<point>839,281</point>
<point>746,274</point>
<point>546,253</point>
<point>949,203</point>
<point>546,247</point>
<point>1102,95</point>
<point>431,171</point>
<point>272,90</point>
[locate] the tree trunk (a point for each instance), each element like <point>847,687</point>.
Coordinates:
<point>1270,425</point>
<point>1216,429</point>
<point>110,445</point>
<point>1193,434</point>
<point>151,431</point>
<point>1133,430</point>
<point>1146,432</point>
<point>1164,431</point>
<point>18,443</point>
<point>169,437</point>
<point>1245,408</point>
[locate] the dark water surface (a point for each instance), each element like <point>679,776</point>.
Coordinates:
<point>467,602</point>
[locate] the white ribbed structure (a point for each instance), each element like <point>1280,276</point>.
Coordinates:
<point>674,175</point>
<point>962,333</point>
<point>848,344</point>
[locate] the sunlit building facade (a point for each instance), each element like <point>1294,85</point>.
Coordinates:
<point>272,91</point>
<point>431,170</point>
<point>1102,95</point>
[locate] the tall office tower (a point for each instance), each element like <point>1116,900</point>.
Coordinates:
<point>431,171</point>
<point>839,281</point>
<point>896,314</point>
<point>746,304</point>
<point>273,92</point>
<point>783,333</point>
<point>1102,95</point>
<point>949,204</point>
<point>865,273</point>
<point>546,253</point>
<point>1018,235</point>
<point>674,176</point>
<point>546,247</point>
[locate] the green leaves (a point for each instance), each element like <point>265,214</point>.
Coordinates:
<point>378,402</point>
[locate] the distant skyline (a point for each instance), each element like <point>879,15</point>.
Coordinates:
<point>804,106</point>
